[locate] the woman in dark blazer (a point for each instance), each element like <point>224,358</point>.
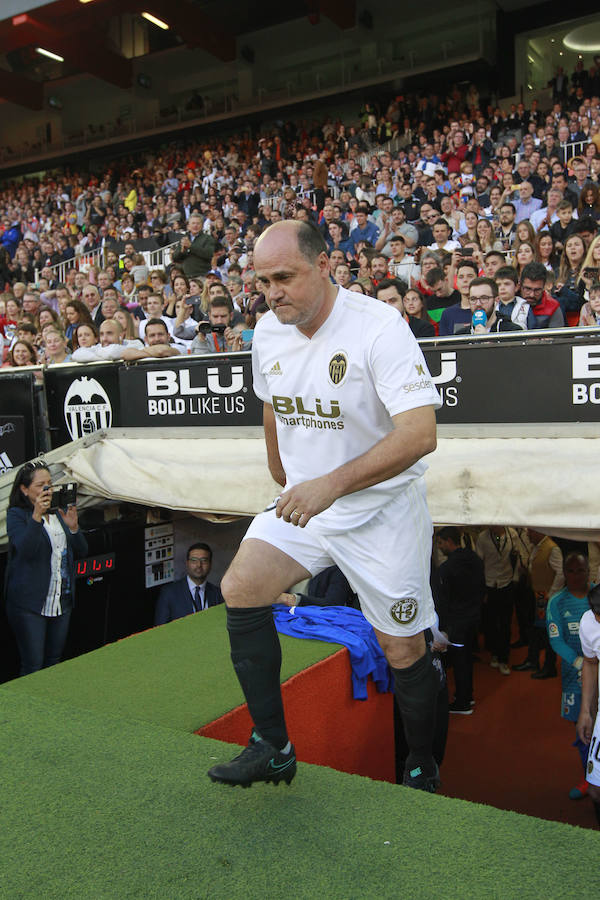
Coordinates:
<point>40,578</point>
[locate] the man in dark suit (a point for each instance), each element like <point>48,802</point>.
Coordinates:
<point>189,594</point>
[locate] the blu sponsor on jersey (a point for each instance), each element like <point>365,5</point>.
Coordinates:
<point>173,392</point>
<point>585,362</point>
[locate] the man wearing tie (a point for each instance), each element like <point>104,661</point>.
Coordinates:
<point>192,593</point>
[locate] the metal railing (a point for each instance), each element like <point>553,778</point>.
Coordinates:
<point>81,262</point>
<point>154,259</point>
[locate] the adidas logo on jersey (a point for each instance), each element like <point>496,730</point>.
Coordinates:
<point>275,370</point>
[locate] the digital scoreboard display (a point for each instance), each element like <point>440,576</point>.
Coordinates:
<point>95,565</point>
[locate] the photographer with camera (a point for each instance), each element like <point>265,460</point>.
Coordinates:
<point>44,541</point>
<point>217,335</point>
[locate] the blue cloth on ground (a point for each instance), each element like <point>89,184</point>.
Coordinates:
<point>340,625</point>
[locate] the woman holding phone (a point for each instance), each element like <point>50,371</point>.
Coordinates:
<point>40,578</point>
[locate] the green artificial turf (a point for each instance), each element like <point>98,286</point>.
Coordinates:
<point>178,675</point>
<point>97,806</point>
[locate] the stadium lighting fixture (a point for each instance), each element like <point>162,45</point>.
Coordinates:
<point>49,54</point>
<point>585,39</point>
<point>158,22</point>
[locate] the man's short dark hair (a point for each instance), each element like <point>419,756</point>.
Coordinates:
<point>488,282</point>
<point>468,264</point>
<point>450,533</point>
<point>311,242</point>
<point>397,237</point>
<point>491,253</point>
<point>534,271</point>
<point>512,206</point>
<point>441,221</point>
<point>433,276</point>
<point>400,285</point>
<point>220,302</point>
<point>509,273</point>
<point>199,546</point>
<point>585,223</point>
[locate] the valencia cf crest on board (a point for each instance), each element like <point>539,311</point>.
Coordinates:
<point>87,407</point>
<point>338,366</point>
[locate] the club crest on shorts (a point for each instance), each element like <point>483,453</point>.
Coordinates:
<point>590,767</point>
<point>404,611</point>
<point>338,366</point>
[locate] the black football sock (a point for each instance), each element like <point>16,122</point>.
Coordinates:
<point>416,690</point>
<point>256,657</point>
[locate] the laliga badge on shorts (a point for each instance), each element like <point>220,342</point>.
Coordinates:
<point>590,767</point>
<point>338,367</point>
<point>404,611</point>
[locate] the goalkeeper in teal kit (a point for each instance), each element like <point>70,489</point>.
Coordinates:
<point>563,615</point>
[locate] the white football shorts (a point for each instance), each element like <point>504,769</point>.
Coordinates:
<point>386,560</point>
<point>592,771</point>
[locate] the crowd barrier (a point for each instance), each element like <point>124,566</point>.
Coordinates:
<point>155,258</point>
<point>511,378</point>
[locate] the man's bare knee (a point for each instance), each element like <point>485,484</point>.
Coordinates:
<point>235,588</point>
<point>401,652</point>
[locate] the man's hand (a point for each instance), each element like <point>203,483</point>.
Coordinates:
<point>233,339</point>
<point>585,726</point>
<point>287,599</point>
<point>305,500</point>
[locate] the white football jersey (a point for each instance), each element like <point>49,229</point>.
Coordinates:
<point>589,634</point>
<point>334,394</point>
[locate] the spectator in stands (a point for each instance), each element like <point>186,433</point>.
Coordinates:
<point>590,311</point>
<point>197,249</point>
<point>507,229</point>
<point>128,324</point>
<point>569,286</point>
<point>459,314</point>
<point>91,297</point>
<point>391,291</point>
<point>509,304</point>
<point>55,346</point>
<point>545,308</point>
<point>544,250</point>
<point>76,313</point>
<point>524,254</point>
<point>154,310</point>
<point>22,353</point>
<point>217,336</point>
<point>441,237</point>
<point>414,305</point>
<point>485,236</point>
<point>85,335</point>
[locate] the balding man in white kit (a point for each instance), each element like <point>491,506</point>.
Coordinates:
<point>349,412</point>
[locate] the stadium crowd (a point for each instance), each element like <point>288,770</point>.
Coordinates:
<point>415,201</point>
